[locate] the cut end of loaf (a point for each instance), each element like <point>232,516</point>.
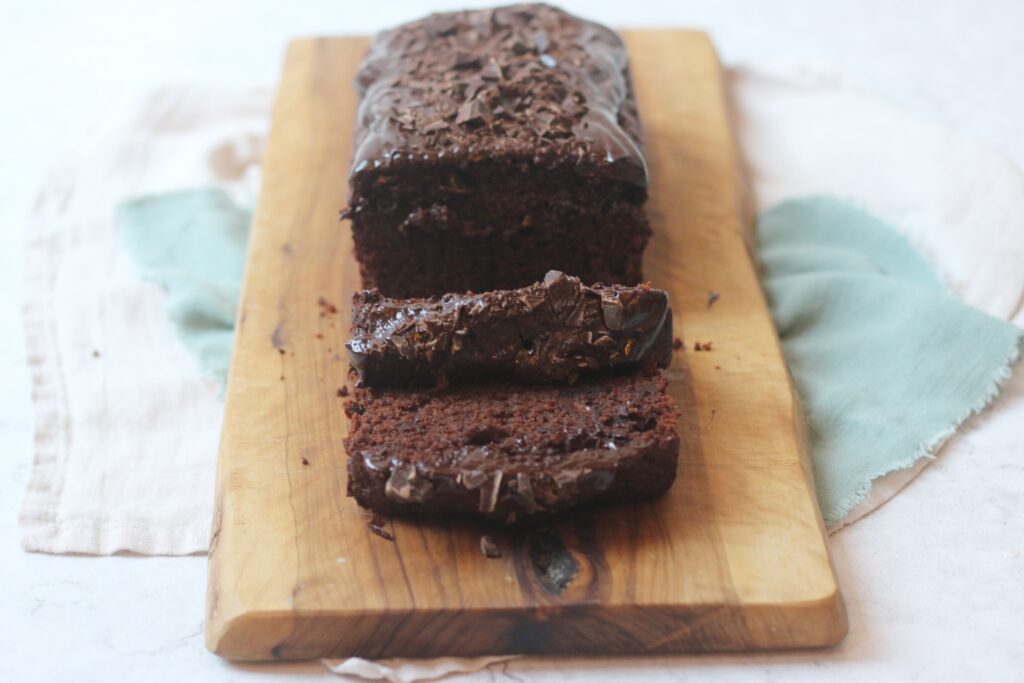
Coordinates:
<point>509,452</point>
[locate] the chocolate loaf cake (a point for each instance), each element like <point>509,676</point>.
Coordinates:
<point>551,331</point>
<point>508,452</point>
<point>492,146</point>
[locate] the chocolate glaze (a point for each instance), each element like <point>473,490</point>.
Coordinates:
<point>527,82</point>
<point>548,332</point>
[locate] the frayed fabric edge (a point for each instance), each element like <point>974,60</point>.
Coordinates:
<point>837,518</point>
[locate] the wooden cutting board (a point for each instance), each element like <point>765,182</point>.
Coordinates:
<point>733,558</point>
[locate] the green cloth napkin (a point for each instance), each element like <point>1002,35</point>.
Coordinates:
<point>886,362</point>
<point>192,243</point>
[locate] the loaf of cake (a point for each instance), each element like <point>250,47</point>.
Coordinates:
<point>492,146</point>
<point>511,452</point>
<point>551,331</point>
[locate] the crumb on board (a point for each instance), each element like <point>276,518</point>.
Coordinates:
<point>305,461</point>
<point>677,344</point>
<point>319,335</point>
<point>718,367</point>
<point>713,296</point>
<point>343,392</point>
<point>281,351</point>
<point>489,548</point>
<point>702,346</point>
<point>326,307</point>
<point>376,525</point>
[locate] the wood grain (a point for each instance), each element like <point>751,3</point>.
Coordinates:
<point>733,558</point>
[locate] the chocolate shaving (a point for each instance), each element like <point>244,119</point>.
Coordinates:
<point>406,485</point>
<point>435,126</point>
<point>465,60</point>
<point>489,492</point>
<point>562,290</point>
<point>489,548</point>
<point>492,71</point>
<point>376,525</point>
<point>541,41</point>
<point>473,112</point>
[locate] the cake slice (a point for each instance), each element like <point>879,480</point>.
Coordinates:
<point>492,145</point>
<point>508,452</point>
<point>551,331</point>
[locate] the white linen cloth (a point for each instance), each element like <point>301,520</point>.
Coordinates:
<point>126,430</point>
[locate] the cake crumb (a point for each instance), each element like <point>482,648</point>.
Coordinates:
<point>343,392</point>
<point>677,344</point>
<point>377,526</point>
<point>319,336</point>
<point>489,548</point>
<point>702,346</point>
<point>713,296</point>
<point>281,351</point>
<point>326,307</point>
<point>305,461</point>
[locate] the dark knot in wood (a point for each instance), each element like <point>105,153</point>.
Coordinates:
<point>552,563</point>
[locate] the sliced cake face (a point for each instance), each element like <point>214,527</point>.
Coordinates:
<point>491,146</point>
<point>510,452</point>
<point>551,331</point>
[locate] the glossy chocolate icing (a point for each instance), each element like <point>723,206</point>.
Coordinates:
<point>525,82</point>
<point>548,332</point>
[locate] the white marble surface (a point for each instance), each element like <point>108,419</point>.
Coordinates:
<point>934,581</point>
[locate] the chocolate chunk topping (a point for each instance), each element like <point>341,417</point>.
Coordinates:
<point>405,484</point>
<point>529,61</point>
<point>541,41</point>
<point>489,548</point>
<point>492,72</point>
<point>377,526</point>
<point>562,290</point>
<point>465,60</point>
<point>473,113</point>
<point>547,332</point>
